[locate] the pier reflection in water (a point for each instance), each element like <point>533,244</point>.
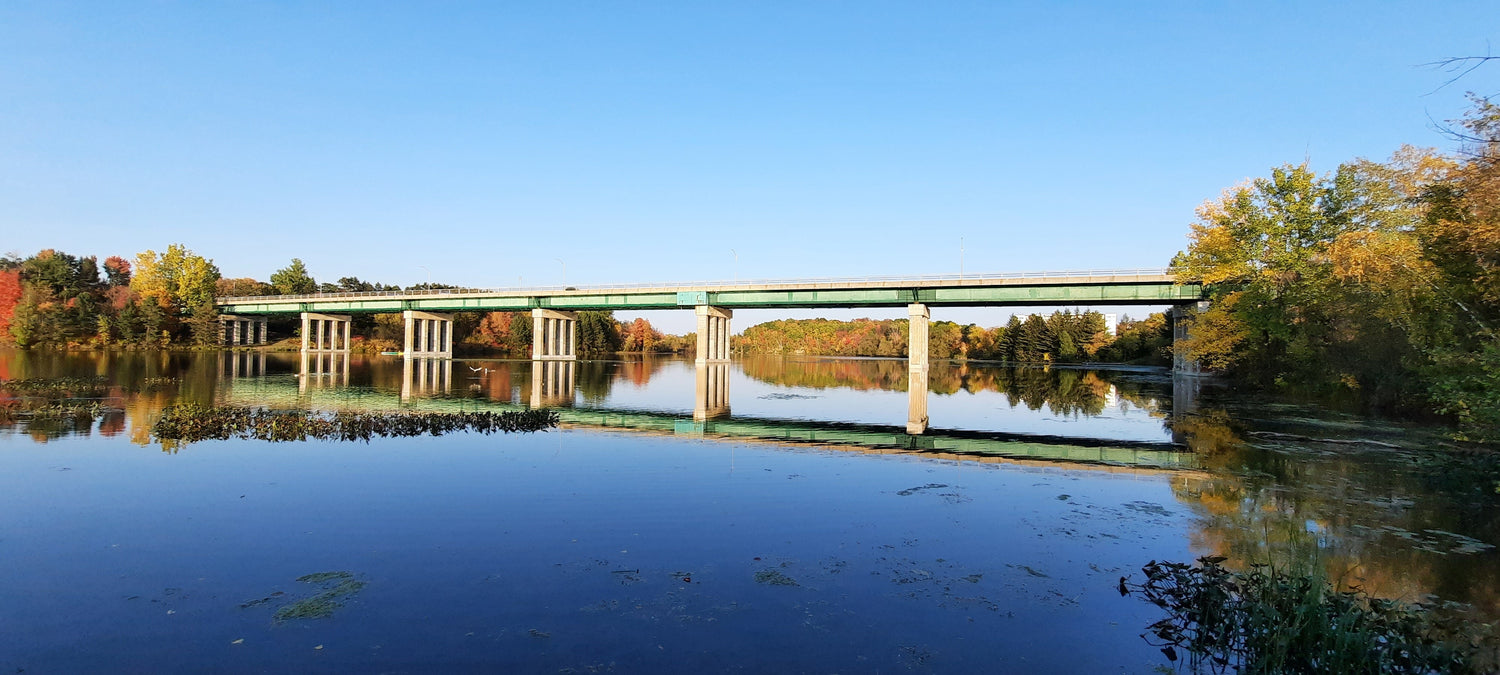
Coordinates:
<point>426,377</point>
<point>711,401</point>
<point>553,384</point>
<point>246,363</point>
<point>916,402</point>
<point>324,370</point>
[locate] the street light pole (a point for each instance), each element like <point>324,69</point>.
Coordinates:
<point>736,265</point>
<point>565,270</point>
<point>960,258</point>
<point>429,276</point>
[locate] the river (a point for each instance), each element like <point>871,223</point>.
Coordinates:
<point>786,515</point>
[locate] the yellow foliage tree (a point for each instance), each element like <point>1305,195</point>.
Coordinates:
<point>178,280</point>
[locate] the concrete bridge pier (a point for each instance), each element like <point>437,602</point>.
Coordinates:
<point>425,377</point>
<point>429,335</point>
<point>243,330</point>
<point>1181,329</point>
<point>713,333</point>
<point>554,335</point>
<point>712,400</point>
<point>552,383</point>
<point>916,341</point>
<point>325,332</point>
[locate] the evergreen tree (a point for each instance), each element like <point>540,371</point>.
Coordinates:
<point>1007,344</point>
<point>1033,343</point>
<point>598,333</point>
<point>293,279</point>
<point>206,329</point>
<point>153,323</point>
<point>520,333</point>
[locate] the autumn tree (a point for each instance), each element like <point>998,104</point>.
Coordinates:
<point>10,296</point>
<point>638,336</point>
<point>117,271</point>
<point>178,280</point>
<point>1461,239</point>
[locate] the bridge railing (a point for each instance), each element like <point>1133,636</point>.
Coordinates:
<point>815,282</point>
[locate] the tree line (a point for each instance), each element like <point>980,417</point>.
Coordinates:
<point>1061,337</point>
<point>53,299</point>
<point>57,300</point>
<point>60,300</point>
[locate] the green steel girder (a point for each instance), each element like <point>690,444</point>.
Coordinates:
<point>985,296</point>
<point>610,301</point>
<point>874,297</point>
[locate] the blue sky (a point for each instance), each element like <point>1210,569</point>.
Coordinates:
<point>646,141</point>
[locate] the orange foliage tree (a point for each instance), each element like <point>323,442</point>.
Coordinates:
<point>10,295</point>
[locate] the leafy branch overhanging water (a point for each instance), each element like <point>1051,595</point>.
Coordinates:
<point>1272,620</point>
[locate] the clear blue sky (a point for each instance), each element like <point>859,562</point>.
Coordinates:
<point>645,141</point>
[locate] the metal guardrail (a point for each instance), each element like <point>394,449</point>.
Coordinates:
<point>963,279</point>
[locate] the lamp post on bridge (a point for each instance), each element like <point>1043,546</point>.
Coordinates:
<point>565,270</point>
<point>429,276</point>
<point>736,265</point>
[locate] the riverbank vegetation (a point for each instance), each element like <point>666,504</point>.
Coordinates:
<point>1381,279</point>
<point>53,299</point>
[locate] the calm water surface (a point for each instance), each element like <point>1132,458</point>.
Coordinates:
<point>811,515</point>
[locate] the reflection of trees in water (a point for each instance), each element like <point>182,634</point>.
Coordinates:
<point>595,379</point>
<point>1063,391</point>
<point>1398,525</point>
<point>866,374</point>
<point>638,369</point>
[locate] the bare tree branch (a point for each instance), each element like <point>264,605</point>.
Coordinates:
<point>1461,65</point>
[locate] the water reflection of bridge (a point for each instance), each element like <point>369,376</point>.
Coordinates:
<point>427,385</point>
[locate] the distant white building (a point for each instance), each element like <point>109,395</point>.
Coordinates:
<point>1111,324</point>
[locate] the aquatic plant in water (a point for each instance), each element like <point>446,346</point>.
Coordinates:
<point>1269,620</point>
<point>336,587</point>
<point>55,387</point>
<point>192,422</point>
<point>53,404</point>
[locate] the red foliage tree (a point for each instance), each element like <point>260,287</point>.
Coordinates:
<point>117,270</point>
<point>10,296</point>
<point>640,336</point>
<point>494,329</point>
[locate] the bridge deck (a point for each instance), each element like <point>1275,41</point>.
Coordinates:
<point>1099,287</point>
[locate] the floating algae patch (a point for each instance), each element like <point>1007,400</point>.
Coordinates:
<point>335,589</point>
<point>324,577</point>
<point>774,578</point>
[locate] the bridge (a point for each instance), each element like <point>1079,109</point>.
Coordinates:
<point>429,313</point>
